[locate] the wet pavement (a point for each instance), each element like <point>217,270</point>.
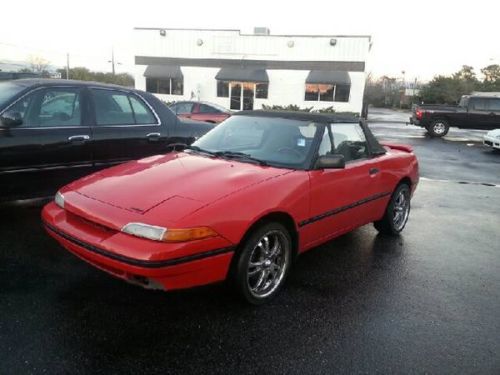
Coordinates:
<point>426,302</point>
<point>460,156</point>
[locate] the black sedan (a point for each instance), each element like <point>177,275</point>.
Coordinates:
<point>54,131</point>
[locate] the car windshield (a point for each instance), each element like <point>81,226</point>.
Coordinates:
<point>8,90</point>
<point>274,141</point>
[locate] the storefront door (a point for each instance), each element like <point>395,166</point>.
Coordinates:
<point>241,95</point>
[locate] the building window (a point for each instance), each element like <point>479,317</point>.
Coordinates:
<point>222,89</point>
<point>261,90</point>
<point>312,92</point>
<point>177,85</point>
<point>169,86</point>
<point>327,92</point>
<point>342,93</point>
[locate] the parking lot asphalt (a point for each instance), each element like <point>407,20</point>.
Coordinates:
<point>425,302</point>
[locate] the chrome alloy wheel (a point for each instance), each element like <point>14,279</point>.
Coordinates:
<point>267,264</point>
<point>401,209</point>
<point>439,128</point>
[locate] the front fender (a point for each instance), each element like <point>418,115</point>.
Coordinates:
<point>233,215</point>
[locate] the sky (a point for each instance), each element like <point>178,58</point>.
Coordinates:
<point>420,38</point>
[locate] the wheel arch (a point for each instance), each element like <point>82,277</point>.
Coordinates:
<point>405,180</point>
<point>441,117</point>
<point>281,217</point>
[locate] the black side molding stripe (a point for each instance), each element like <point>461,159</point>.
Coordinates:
<point>138,262</point>
<point>338,210</point>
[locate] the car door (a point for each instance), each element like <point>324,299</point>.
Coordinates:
<point>200,112</point>
<point>342,199</point>
<point>478,116</point>
<point>51,146</point>
<point>493,106</point>
<point>124,127</point>
<point>207,113</point>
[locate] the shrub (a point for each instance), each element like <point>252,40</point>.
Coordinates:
<point>296,108</point>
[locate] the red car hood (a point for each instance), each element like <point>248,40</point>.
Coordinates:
<point>184,180</point>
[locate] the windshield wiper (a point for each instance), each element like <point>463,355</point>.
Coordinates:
<point>223,154</point>
<point>239,155</point>
<point>183,146</point>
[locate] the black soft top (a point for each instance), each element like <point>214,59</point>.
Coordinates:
<point>324,118</point>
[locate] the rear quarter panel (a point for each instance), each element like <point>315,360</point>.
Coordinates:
<point>396,165</point>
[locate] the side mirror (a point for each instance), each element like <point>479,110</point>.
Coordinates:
<point>11,118</point>
<point>333,161</point>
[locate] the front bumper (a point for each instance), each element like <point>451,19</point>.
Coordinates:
<point>491,142</point>
<point>150,264</point>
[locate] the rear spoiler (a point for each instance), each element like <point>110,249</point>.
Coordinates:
<point>398,146</point>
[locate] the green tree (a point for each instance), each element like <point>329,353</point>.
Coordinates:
<point>382,92</point>
<point>466,74</point>
<point>84,74</point>
<point>491,78</point>
<point>491,73</point>
<point>449,90</point>
<point>442,90</point>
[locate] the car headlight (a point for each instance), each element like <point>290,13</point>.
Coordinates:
<point>155,233</point>
<point>498,136</point>
<point>59,199</point>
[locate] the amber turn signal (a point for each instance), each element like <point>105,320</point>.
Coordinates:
<point>188,234</point>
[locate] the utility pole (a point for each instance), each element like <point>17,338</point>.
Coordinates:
<point>112,61</point>
<point>67,65</point>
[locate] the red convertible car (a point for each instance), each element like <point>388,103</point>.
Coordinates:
<point>239,204</point>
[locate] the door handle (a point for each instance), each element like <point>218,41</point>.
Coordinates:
<point>153,137</point>
<point>373,171</point>
<point>79,138</point>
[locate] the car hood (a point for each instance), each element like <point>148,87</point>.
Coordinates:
<point>182,181</point>
<point>493,133</point>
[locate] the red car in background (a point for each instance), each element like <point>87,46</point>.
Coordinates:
<point>239,204</point>
<point>200,111</point>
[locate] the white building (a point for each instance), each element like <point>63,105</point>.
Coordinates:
<point>245,71</point>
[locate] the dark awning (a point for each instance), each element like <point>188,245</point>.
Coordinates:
<point>328,76</point>
<point>163,71</point>
<point>242,75</point>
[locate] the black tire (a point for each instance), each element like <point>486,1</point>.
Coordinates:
<point>389,224</point>
<point>438,128</point>
<point>251,251</point>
